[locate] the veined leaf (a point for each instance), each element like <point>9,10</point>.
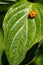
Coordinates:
<point>30,55</point>
<point>1,44</point>
<point>20,31</point>
<point>4,6</point>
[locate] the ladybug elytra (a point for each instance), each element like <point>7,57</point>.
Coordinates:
<point>32,14</point>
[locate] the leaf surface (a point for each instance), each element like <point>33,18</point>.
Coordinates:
<point>20,31</point>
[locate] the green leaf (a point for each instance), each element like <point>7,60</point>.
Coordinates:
<point>1,43</point>
<point>4,6</point>
<point>20,31</point>
<point>39,58</point>
<point>30,55</point>
<point>39,22</point>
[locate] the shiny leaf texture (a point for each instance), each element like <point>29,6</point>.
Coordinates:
<point>20,31</point>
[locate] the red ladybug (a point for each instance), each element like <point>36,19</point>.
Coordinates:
<point>32,14</point>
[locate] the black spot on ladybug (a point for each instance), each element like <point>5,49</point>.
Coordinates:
<point>32,14</point>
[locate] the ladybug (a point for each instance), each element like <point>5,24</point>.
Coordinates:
<point>32,14</point>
